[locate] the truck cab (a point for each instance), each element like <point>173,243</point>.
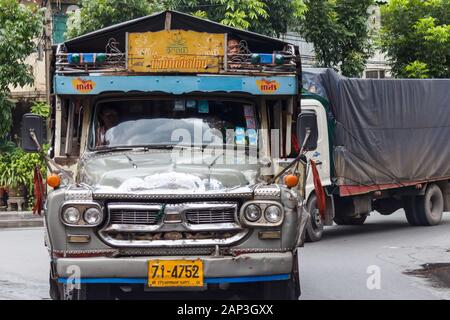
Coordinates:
<point>169,152</point>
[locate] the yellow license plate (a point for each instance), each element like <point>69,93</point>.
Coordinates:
<point>175,273</point>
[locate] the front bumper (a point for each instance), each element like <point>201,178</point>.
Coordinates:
<point>243,268</point>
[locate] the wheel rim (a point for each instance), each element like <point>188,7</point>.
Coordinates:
<point>316,220</point>
<point>435,205</point>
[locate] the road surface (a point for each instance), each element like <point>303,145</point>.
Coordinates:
<point>344,265</point>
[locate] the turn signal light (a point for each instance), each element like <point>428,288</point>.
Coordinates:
<point>53,180</point>
<point>291,180</point>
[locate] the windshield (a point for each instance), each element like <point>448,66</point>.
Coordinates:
<point>169,122</point>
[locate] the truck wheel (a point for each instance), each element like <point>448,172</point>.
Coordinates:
<point>284,289</point>
<point>54,289</point>
<point>314,229</point>
<point>410,210</point>
<point>350,221</point>
<point>85,292</point>
<point>67,293</point>
<point>426,210</point>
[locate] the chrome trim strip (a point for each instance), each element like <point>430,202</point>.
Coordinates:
<point>174,243</point>
<point>136,206</point>
<point>127,196</point>
<point>168,228</point>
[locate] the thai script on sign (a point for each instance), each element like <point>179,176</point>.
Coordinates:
<point>175,51</point>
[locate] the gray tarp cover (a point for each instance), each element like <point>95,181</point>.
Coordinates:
<point>387,131</point>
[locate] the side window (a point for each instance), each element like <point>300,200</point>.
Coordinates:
<point>307,128</point>
<point>281,121</point>
<point>70,117</point>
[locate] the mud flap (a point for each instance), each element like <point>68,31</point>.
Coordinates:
<point>329,213</point>
<point>304,218</point>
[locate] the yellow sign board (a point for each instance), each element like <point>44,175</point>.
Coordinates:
<point>175,51</point>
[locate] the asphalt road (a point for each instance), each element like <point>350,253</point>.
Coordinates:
<point>335,268</point>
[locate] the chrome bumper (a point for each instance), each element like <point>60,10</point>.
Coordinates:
<point>117,269</point>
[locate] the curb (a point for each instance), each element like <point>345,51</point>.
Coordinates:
<point>9,219</point>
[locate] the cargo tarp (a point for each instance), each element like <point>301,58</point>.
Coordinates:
<point>388,131</point>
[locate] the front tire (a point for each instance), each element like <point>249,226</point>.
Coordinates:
<point>314,229</point>
<point>85,292</point>
<point>55,292</point>
<point>284,289</point>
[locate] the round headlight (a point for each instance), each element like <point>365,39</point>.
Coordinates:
<point>273,214</point>
<point>71,215</point>
<point>93,216</point>
<point>252,213</point>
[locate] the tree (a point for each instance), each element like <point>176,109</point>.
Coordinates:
<point>415,35</point>
<point>97,14</point>
<point>19,26</point>
<point>340,33</point>
<point>270,17</point>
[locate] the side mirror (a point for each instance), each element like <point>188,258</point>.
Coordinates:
<point>307,121</point>
<point>32,124</point>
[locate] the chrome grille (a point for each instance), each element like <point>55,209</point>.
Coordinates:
<point>134,214</point>
<point>211,215</point>
<point>133,224</point>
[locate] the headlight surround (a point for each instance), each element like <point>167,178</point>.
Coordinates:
<point>258,213</point>
<point>81,214</point>
<point>252,213</point>
<point>93,216</point>
<point>273,214</point>
<point>71,215</point>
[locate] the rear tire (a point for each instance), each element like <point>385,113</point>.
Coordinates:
<point>350,221</point>
<point>426,210</point>
<point>409,204</point>
<point>314,229</point>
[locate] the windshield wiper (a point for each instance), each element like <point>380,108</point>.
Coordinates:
<point>112,149</point>
<point>134,148</point>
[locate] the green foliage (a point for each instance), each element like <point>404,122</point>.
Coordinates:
<point>17,168</point>
<point>41,109</point>
<point>5,115</point>
<point>19,25</point>
<point>417,70</point>
<point>97,14</point>
<point>415,34</point>
<point>270,17</point>
<point>340,33</point>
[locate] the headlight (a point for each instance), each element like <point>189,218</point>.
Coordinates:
<point>273,214</point>
<point>93,216</point>
<point>252,213</point>
<point>71,215</point>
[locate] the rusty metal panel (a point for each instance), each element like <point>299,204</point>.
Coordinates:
<point>175,51</point>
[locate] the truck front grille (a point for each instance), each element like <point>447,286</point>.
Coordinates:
<point>211,216</point>
<point>129,216</point>
<point>172,224</point>
<point>134,214</point>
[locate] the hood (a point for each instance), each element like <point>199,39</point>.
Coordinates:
<point>156,172</point>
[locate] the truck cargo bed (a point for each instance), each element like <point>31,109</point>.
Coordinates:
<point>389,132</point>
